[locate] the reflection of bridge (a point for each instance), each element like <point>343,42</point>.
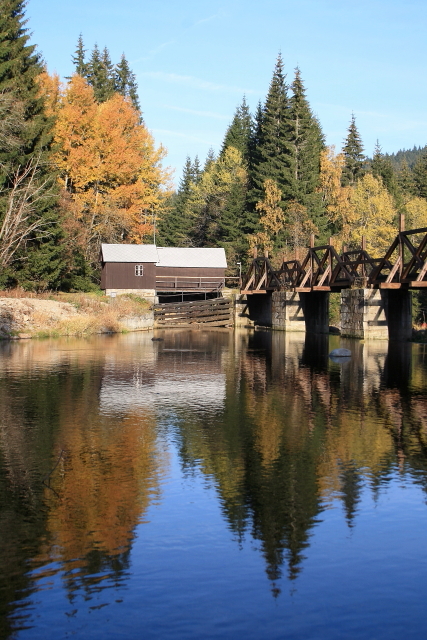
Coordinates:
<point>381,307</point>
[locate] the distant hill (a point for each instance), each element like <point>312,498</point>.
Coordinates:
<point>410,155</point>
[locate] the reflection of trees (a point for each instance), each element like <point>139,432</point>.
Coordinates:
<point>106,478</point>
<point>109,476</point>
<point>300,431</point>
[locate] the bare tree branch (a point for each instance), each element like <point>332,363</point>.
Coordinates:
<point>21,219</point>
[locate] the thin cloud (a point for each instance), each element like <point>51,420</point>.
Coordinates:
<point>194,112</point>
<point>154,51</point>
<point>178,134</point>
<point>393,119</point>
<point>209,19</point>
<point>196,83</point>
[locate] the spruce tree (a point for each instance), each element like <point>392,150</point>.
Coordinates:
<point>100,74</point>
<point>307,142</point>
<point>125,82</point>
<point>38,259</point>
<point>355,161</point>
<point>210,159</point>
<point>238,134</point>
<point>79,58</point>
<point>382,168</point>
<point>405,179</point>
<point>273,156</point>
<point>175,227</point>
<point>420,175</point>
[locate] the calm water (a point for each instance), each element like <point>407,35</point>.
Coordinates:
<point>212,485</point>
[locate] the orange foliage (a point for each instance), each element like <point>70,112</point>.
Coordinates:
<point>110,166</point>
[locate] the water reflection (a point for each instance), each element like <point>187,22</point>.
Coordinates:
<point>87,428</point>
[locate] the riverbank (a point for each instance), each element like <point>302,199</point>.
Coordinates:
<point>24,315</point>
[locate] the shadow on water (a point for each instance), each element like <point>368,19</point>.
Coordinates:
<point>280,430</point>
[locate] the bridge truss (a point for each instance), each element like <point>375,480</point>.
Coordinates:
<point>404,265</point>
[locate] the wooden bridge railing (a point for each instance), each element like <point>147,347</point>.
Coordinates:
<point>323,269</point>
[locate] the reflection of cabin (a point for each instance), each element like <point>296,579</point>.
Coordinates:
<point>149,270</point>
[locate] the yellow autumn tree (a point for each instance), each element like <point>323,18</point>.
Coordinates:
<point>299,225</point>
<point>335,198</point>
<point>416,213</point>
<point>109,167</point>
<point>272,217</point>
<point>366,209</point>
<point>373,215</point>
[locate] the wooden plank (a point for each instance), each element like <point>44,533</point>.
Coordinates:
<point>201,309</point>
<point>319,288</point>
<point>390,285</point>
<point>207,320</point>
<point>196,303</point>
<point>204,314</point>
<point>417,284</point>
<point>186,305</point>
<point>302,289</point>
<point>195,325</point>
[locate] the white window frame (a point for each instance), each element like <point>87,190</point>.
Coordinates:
<point>139,269</point>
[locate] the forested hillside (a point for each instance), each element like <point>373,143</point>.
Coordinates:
<point>78,166</point>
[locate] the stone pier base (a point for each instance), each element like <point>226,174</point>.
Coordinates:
<point>300,311</point>
<point>376,314</point>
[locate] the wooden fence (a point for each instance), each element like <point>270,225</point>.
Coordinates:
<point>218,312</point>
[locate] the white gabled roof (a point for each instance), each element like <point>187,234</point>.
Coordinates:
<point>129,253</point>
<point>165,256</point>
<point>191,257</point>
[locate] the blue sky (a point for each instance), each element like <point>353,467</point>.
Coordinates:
<point>194,60</point>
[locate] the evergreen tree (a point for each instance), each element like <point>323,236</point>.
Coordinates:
<point>273,157</point>
<point>382,168</point>
<point>79,58</point>
<point>196,170</point>
<point>405,180</point>
<point>210,159</point>
<point>100,74</point>
<point>420,175</point>
<point>307,142</point>
<point>355,161</point>
<point>175,227</point>
<point>125,82</point>
<point>238,134</point>
<point>20,68</point>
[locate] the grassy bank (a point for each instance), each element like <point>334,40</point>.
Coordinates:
<point>24,315</point>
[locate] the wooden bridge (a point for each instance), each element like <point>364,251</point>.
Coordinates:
<point>404,265</point>
<point>375,291</point>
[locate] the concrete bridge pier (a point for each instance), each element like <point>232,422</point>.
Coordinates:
<point>376,313</point>
<point>293,311</point>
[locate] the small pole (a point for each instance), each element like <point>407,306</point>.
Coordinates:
<point>401,247</point>
<point>266,254</point>
<point>255,252</point>
<point>296,254</point>
<point>363,262</point>
<point>311,240</point>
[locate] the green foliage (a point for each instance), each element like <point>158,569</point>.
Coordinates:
<point>273,154</point>
<point>238,134</point>
<point>103,76</point>
<point>37,261</point>
<point>382,168</point>
<point>355,161</point>
<point>176,226</point>
<point>125,82</point>
<point>420,176</point>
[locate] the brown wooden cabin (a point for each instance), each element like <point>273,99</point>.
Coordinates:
<point>150,270</point>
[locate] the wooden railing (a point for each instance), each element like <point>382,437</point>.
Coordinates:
<point>189,283</point>
<point>324,269</point>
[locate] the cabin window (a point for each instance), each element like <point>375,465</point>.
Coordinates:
<point>139,269</point>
